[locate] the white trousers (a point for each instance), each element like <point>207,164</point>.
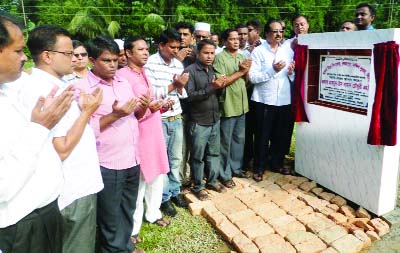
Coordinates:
<point>152,194</point>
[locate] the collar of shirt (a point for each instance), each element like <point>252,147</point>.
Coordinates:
<point>95,80</point>
<point>171,65</point>
<point>200,66</point>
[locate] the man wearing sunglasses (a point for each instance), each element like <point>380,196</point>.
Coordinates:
<point>72,138</point>
<point>201,31</point>
<point>271,73</point>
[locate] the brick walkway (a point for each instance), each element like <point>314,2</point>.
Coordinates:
<point>287,214</point>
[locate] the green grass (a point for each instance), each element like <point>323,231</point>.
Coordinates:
<point>186,233</point>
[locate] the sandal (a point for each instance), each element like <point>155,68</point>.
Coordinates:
<point>161,222</point>
<point>202,195</point>
<point>284,171</point>
<point>257,177</point>
<point>218,188</point>
<point>136,239</point>
<point>229,184</point>
<point>137,250</point>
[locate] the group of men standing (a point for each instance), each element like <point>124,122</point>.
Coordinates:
<point>125,133</point>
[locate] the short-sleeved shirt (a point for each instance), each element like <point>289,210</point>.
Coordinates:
<point>233,100</point>
<point>161,75</point>
<point>202,99</point>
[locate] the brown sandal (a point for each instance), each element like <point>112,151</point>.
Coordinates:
<point>257,177</point>
<point>161,222</point>
<point>229,183</point>
<point>136,239</point>
<point>202,195</point>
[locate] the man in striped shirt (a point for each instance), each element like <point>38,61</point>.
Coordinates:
<point>165,74</point>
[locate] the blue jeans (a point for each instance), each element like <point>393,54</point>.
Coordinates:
<point>205,143</point>
<point>232,146</point>
<point>173,134</point>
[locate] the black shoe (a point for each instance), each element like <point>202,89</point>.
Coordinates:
<point>241,175</point>
<point>179,201</point>
<point>168,208</point>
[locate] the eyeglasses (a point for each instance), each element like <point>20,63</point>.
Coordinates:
<point>81,54</point>
<point>278,31</point>
<point>201,37</point>
<point>68,54</point>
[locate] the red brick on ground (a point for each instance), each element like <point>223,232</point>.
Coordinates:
<point>373,236</point>
<point>208,210</point>
<point>312,246</point>
<point>302,211</point>
<point>331,234</point>
<point>244,182</point>
<point>362,213</point>
<point>326,211</point>
<point>250,196</point>
<point>299,180</point>
<point>288,187</point>
<point>348,244</point>
<point>361,223</point>
<point>244,244</point>
<point>326,195</point>
<point>289,228</point>
<point>248,222</point>
<point>317,190</point>
<point>348,211</point>
<point>270,214</point>
<point>308,218</point>
<point>282,181</point>
<point>258,230</point>
<point>262,206</point>
<point>270,239</point>
<point>308,186</point>
<point>380,226</point>
<point>196,207</point>
<point>320,224</point>
<point>233,217</point>
<point>281,221</point>
<point>216,218</point>
<point>338,218</point>
<point>231,206</point>
<point>190,198</point>
<point>293,204</point>
<point>244,191</point>
<point>300,237</point>
<point>272,188</point>
<point>227,230</point>
<point>334,207</point>
<point>259,201</point>
<point>272,177</point>
<point>329,250</point>
<point>360,235</point>
<point>278,248</point>
<point>337,200</point>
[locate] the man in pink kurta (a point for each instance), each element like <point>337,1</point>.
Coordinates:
<point>152,149</point>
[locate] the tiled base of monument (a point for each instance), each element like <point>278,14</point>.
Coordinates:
<point>287,214</point>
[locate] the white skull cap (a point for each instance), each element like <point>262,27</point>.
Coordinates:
<point>120,43</point>
<point>201,26</point>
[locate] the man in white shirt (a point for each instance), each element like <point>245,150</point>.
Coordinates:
<point>74,140</point>
<point>30,175</point>
<point>272,73</point>
<point>165,74</point>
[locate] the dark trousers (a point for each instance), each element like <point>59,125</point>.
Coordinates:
<point>249,139</point>
<point>116,204</point>
<point>38,232</point>
<point>273,134</point>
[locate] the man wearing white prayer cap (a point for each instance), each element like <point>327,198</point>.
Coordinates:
<point>201,31</point>
<point>122,61</point>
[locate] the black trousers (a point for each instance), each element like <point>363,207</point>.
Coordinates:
<point>116,204</point>
<point>38,232</point>
<point>273,133</point>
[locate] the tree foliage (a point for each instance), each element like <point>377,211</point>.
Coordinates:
<point>88,18</point>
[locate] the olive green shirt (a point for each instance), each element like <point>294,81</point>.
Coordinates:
<point>233,100</point>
